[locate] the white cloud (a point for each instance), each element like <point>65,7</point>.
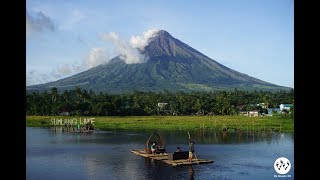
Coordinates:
<point>142,41</point>
<point>32,78</point>
<point>96,57</point>
<point>38,23</point>
<point>61,71</point>
<point>65,69</point>
<point>127,53</point>
<point>78,68</point>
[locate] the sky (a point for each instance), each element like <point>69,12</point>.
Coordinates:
<point>253,37</point>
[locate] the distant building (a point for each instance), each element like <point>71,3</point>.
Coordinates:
<point>162,108</point>
<point>162,105</point>
<point>64,113</point>
<point>244,113</point>
<point>271,110</point>
<point>252,113</point>
<point>285,107</point>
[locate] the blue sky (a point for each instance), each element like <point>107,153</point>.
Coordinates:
<point>255,37</point>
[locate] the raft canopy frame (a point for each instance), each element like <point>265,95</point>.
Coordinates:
<point>159,141</point>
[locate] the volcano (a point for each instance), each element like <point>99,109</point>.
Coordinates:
<point>172,65</point>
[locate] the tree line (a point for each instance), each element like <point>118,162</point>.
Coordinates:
<point>88,103</point>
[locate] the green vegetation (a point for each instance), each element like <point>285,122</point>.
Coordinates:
<point>245,123</point>
<point>83,103</point>
<point>139,110</point>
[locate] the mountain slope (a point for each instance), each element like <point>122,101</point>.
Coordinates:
<point>172,65</point>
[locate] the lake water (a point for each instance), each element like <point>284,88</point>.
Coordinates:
<point>106,155</point>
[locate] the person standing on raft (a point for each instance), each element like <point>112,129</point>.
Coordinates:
<point>191,148</point>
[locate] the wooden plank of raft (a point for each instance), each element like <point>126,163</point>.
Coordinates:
<point>182,162</point>
<point>161,156</point>
<point>164,157</point>
<point>140,152</point>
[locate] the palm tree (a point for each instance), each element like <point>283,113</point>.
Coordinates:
<point>54,94</point>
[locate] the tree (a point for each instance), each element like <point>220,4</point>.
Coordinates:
<point>198,106</point>
<point>223,105</point>
<point>80,102</point>
<point>54,94</point>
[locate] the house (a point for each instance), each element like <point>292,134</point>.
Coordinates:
<point>64,113</point>
<point>243,113</point>
<point>252,113</point>
<point>285,107</point>
<point>271,110</point>
<point>162,108</point>
<point>162,105</point>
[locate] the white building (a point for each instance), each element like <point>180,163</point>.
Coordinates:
<point>253,113</point>
<point>285,107</point>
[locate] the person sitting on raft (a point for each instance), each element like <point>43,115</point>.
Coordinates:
<point>153,148</point>
<point>178,149</point>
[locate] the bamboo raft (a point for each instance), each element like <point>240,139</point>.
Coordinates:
<point>164,158</point>
<point>182,162</point>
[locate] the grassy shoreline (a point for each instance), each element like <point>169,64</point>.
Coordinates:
<point>243,123</point>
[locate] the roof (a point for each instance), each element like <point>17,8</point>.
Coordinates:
<point>287,105</point>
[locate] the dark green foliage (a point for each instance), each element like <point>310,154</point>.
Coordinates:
<point>81,102</point>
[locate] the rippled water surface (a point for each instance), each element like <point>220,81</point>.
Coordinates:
<point>106,155</point>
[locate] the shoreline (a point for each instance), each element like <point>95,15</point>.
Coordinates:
<point>218,123</point>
